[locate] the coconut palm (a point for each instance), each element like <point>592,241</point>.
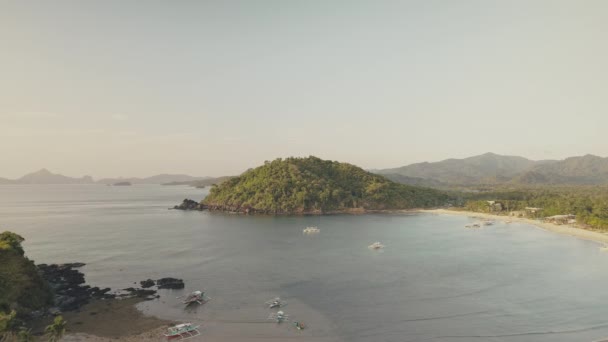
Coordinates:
<point>55,331</point>
<point>25,335</point>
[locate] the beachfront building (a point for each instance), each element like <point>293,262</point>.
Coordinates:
<point>561,219</point>
<point>533,210</point>
<point>517,213</point>
<point>495,206</point>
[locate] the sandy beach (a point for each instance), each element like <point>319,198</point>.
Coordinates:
<point>121,320</point>
<point>559,229</point>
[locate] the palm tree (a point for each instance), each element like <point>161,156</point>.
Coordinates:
<point>25,335</point>
<point>55,331</point>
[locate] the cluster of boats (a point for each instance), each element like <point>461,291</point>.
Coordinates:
<point>187,330</point>
<point>280,316</point>
<point>314,230</point>
<point>480,224</point>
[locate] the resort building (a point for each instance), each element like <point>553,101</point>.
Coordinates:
<point>561,219</point>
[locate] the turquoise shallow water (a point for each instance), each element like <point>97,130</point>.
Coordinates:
<point>434,281</point>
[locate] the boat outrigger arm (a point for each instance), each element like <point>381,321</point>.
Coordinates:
<point>196,297</point>
<point>182,332</point>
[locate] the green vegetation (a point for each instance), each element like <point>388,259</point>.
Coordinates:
<point>211,181</point>
<point>588,203</point>
<point>55,331</point>
<point>306,185</point>
<point>21,287</point>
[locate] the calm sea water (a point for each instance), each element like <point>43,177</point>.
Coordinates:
<point>434,281</point>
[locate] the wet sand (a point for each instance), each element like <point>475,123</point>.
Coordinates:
<point>107,320</point>
<point>559,229</point>
<point>121,320</point>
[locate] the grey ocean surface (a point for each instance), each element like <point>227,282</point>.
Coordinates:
<point>434,281</point>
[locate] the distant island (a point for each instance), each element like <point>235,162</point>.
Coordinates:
<point>157,179</point>
<point>313,186</point>
<point>122,184</point>
<point>202,183</point>
<point>44,176</point>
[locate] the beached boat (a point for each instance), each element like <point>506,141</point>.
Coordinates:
<point>279,317</point>
<point>376,245</point>
<point>182,331</point>
<point>604,248</point>
<point>310,230</point>
<point>196,297</point>
<point>275,303</point>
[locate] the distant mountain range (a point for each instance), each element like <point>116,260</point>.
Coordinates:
<point>44,176</point>
<point>492,168</point>
<point>157,179</point>
<point>485,169</point>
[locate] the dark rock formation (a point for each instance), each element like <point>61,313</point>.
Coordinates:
<point>189,204</point>
<point>170,283</point>
<point>147,283</point>
<point>67,285</point>
<point>141,293</point>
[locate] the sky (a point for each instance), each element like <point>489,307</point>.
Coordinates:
<point>210,88</point>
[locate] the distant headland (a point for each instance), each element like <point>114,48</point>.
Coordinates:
<point>313,186</point>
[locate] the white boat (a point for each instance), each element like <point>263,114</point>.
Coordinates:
<point>196,297</point>
<point>279,317</point>
<point>275,303</point>
<point>376,245</point>
<point>182,331</point>
<point>311,230</point>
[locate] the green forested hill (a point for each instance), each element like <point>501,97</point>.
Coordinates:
<point>308,185</point>
<point>21,287</point>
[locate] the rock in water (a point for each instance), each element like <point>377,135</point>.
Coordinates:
<point>147,283</point>
<point>188,204</point>
<point>170,283</point>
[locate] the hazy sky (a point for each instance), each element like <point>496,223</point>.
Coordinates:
<point>136,88</point>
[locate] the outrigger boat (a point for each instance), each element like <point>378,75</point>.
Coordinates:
<point>275,303</point>
<point>182,331</point>
<point>376,245</point>
<point>279,317</point>
<point>310,230</point>
<point>196,297</point>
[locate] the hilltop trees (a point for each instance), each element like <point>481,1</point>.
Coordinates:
<point>302,185</point>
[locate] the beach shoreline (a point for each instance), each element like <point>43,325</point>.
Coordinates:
<point>128,320</point>
<point>565,229</point>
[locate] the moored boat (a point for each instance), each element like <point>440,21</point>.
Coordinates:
<point>309,230</point>
<point>182,331</point>
<point>376,245</point>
